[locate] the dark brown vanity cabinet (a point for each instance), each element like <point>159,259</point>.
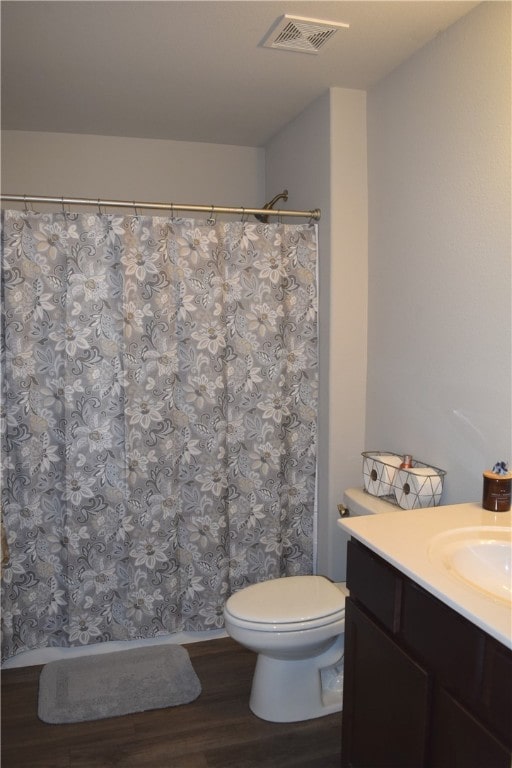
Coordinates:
<point>423,686</point>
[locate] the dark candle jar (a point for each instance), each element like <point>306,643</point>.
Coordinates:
<point>497,492</point>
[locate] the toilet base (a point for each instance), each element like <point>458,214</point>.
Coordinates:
<point>290,690</point>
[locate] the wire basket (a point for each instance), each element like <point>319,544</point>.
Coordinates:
<point>416,487</point>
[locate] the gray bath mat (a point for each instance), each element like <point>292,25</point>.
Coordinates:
<point>112,684</point>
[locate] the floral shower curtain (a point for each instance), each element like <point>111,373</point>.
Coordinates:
<point>159,394</point>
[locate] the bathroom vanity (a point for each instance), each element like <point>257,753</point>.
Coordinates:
<point>428,654</point>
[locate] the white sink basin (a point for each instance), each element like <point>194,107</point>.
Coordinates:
<point>481,557</point>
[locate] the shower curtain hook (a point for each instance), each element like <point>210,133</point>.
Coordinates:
<point>62,205</point>
<point>243,219</point>
<point>99,207</point>
<point>25,203</point>
<point>135,208</point>
<point>211,219</point>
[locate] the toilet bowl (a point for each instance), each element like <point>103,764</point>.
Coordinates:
<point>296,626</point>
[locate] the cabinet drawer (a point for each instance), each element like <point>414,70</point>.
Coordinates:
<point>449,645</point>
<point>373,583</point>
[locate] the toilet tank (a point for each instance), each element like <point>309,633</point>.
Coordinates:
<point>356,502</point>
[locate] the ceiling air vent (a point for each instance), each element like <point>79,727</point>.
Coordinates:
<point>297,33</point>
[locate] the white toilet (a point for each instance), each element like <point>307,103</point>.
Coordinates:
<point>296,626</point>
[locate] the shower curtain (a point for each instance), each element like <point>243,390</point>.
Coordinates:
<point>159,396</point>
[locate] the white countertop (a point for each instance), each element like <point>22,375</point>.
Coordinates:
<point>403,537</point>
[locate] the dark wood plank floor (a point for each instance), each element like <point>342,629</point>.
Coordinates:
<point>218,730</point>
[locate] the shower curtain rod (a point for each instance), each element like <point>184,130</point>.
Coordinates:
<point>211,209</point>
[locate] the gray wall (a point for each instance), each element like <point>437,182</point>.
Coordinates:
<point>439,339</point>
<point>113,167</point>
<point>321,157</point>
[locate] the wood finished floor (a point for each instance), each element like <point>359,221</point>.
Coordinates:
<point>218,730</point>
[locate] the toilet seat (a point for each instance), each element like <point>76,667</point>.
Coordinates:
<point>272,628</point>
<point>289,604</point>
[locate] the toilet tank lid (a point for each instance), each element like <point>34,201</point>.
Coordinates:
<point>360,502</point>
<point>288,599</point>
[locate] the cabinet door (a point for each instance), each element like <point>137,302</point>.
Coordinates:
<point>496,704</point>
<point>460,741</point>
<point>385,699</point>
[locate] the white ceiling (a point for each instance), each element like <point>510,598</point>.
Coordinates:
<point>193,70</point>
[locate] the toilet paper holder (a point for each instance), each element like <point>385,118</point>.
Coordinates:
<point>405,488</point>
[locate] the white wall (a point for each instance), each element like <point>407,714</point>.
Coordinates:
<point>439,340</point>
<point>321,158</point>
<point>150,170</point>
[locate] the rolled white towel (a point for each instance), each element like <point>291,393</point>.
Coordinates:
<point>418,487</point>
<point>379,474</point>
